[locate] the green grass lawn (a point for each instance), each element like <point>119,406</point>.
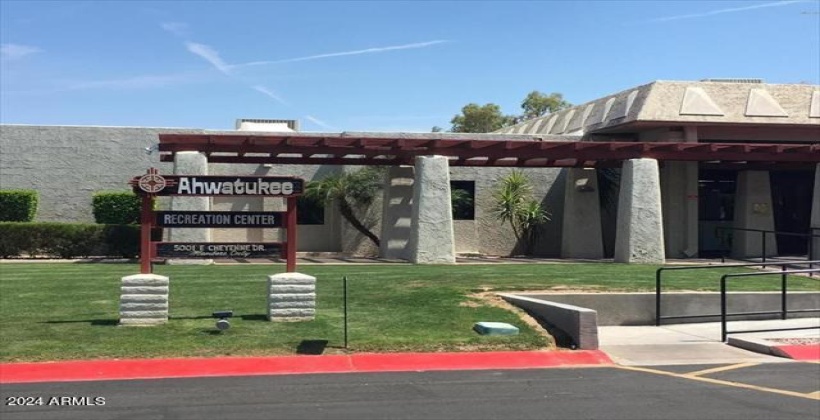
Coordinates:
<point>53,311</point>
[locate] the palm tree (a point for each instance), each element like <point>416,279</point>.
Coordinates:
<point>514,204</point>
<point>349,190</point>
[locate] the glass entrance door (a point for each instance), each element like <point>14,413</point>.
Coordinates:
<point>791,202</point>
<point>716,209</point>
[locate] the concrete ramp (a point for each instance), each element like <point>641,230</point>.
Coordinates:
<point>700,343</point>
<point>622,325</point>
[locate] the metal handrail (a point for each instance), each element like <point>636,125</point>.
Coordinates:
<point>770,231</point>
<point>724,332</point>
<point>658,272</point>
<point>763,233</point>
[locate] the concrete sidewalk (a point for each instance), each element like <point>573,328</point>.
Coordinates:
<point>700,343</point>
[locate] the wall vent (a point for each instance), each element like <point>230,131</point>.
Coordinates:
<point>733,80</point>
<point>252,124</point>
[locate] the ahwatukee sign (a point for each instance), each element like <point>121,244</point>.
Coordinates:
<point>153,184</point>
<point>268,186</point>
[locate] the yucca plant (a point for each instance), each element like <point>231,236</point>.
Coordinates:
<point>515,205</point>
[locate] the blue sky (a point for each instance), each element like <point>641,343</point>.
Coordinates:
<point>373,66</point>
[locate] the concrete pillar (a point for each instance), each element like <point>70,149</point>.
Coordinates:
<point>291,297</point>
<point>692,240</point>
<point>397,212</point>
<point>582,237</point>
<point>639,237</point>
<point>753,210</point>
<point>692,210</point>
<point>679,192</point>
<point>144,300</point>
<point>190,163</point>
<point>815,215</point>
<point>431,234</point>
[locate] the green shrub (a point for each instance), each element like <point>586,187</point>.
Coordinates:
<point>68,240</point>
<point>73,240</point>
<point>122,240</point>
<point>116,208</point>
<point>18,238</point>
<point>18,205</point>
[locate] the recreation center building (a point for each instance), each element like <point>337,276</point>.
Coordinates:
<point>669,169</point>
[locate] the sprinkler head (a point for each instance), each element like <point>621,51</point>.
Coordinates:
<point>222,324</point>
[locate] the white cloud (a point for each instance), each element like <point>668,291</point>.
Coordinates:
<point>319,122</point>
<point>210,55</point>
<point>179,29</point>
<point>729,10</point>
<point>16,51</point>
<point>269,93</point>
<point>344,53</point>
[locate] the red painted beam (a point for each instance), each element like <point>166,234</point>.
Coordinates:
<point>498,151</point>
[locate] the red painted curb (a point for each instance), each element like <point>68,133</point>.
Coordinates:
<point>809,352</point>
<point>381,362</point>
<point>102,370</point>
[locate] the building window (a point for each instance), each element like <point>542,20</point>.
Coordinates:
<point>309,211</point>
<point>462,196</point>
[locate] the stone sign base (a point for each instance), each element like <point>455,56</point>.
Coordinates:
<point>144,300</point>
<point>291,297</point>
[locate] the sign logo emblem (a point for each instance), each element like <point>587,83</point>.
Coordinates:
<point>152,182</point>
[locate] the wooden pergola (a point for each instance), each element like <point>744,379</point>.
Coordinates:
<point>490,150</point>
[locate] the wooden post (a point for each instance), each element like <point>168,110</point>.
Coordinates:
<point>146,223</point>
<point>291,235</point>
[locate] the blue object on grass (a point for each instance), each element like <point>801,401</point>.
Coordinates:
<point>495,328</point>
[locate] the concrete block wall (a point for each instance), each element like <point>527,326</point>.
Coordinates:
<point>291,297</point>
<point>144,299</point>
<point>67,165</point>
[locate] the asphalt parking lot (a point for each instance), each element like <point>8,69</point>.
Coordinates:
<point>726,391</point>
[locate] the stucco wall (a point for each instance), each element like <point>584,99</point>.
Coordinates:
<point>67,165</point>
<point>486,234</point>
